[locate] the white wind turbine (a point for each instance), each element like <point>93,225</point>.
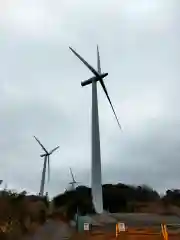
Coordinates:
<point>96,179</point>
<point>46,161</point>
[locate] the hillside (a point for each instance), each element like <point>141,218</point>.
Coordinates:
<point>121,198</point>
<point>20,214</point>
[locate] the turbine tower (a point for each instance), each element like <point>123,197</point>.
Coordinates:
<point>46,156</point>
<point>96,182</point>
<point>73,183</point>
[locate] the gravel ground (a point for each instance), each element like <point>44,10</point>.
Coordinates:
<point>53,230</point>
<point>137,221</point>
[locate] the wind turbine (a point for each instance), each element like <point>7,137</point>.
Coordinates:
<point>46,156</point>
<point>96,182</point>
<point>5,187</point>
<point>73,183</point>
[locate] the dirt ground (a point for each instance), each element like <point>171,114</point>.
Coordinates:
<point>126,236</point>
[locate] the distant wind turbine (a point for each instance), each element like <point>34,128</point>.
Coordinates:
<point>73,183</point>
<point>5,186</point>
<point>46,156</point>
<point>96,179</point>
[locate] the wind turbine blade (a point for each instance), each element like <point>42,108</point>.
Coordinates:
<point>53,150</point>
<point>72,175</point>
<point>48,169</point>
<point>98,61</point>
<point>103,85</point>
<point>107,95</point>
<point>85,63</point>
<point>41,144</point>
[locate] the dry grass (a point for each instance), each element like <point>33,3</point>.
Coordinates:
<point>18,216</point>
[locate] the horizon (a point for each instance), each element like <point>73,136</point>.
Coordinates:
<point>161,194</point>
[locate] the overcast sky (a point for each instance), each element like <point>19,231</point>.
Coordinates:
<point>41,94</point>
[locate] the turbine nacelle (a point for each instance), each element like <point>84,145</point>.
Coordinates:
<point>43,155</point>
<point>73,183</point>
<point>90,80</point>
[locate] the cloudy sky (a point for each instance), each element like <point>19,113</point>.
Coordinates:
<point>41,94</point>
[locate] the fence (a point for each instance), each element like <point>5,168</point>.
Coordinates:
<point>163,233</point>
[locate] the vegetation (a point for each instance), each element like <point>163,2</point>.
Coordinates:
<point>20,213</point>
<point>117,198</point>
<point>172,197</point>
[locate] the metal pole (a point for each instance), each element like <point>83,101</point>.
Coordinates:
<point>43,177</point>
<point>96,182</point>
